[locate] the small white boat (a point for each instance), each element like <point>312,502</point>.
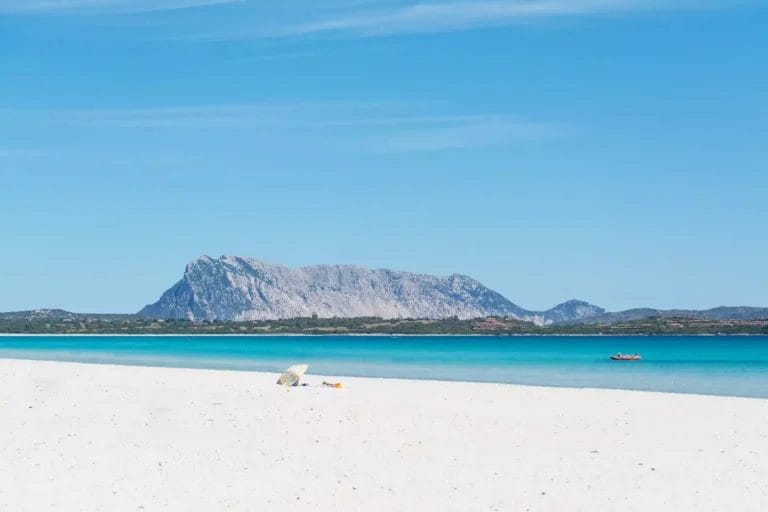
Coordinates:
<point>626,357</point>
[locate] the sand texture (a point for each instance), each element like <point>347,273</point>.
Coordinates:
<point>113,438</point>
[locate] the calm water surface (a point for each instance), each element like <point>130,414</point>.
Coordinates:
<point>727,365</point>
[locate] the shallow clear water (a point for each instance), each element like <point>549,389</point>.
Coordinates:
<point>727,365</point>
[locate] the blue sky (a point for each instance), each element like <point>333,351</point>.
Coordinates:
<point>610,150</point>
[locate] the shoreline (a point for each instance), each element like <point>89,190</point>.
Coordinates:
<point>261,373</point>
<point>110,437</point>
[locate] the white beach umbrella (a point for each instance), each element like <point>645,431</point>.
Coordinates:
<point>292,375</point>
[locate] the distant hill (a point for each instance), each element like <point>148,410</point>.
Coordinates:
<point>235,288</point>
<point>61,315</point>
<point>718,313</point>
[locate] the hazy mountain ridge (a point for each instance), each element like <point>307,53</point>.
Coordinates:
<point>572,310</point>
<point>61,314</point>
<point>232,288</point>
<point>717,313</point>
<point>235,288</point>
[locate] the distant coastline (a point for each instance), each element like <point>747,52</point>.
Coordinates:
<point>488,326</point>
<point>373,335</point>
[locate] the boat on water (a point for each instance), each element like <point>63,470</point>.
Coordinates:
<point>626,357</point>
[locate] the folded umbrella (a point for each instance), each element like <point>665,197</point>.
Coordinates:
<point>292,375</point>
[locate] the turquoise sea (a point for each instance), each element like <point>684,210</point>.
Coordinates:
<point>723,365</point>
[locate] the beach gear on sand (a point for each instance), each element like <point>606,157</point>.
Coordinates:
<point>292,375</point>
<point>332,384</point>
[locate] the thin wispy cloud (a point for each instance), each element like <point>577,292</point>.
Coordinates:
<point>234,20</point>
<point>279,56</point>
<point>383,127</point>
<point>378,19</point>
<point>428,17</point>
<point>477,133</point>
<point>196,116</point>
<point>253,115</point>
<point>102,6</point>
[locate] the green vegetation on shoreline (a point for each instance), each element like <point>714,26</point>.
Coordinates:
<point>123,324</point>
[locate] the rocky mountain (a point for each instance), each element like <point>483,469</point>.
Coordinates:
<point>235,288</point>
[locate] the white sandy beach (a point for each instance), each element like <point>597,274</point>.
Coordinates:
<point>97,437</point>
